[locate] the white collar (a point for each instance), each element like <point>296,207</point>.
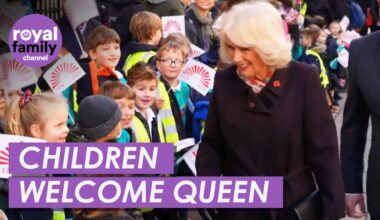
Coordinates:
<point>177,88</point>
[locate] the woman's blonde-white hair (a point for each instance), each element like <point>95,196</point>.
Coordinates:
<point>257,25</point>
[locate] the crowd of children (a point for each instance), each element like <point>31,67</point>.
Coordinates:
<point>134,94</point>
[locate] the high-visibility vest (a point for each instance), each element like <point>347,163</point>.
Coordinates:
<point>167,117</point>
<point>323,74</point>
<point>134,58</point>
<point>142,135</point>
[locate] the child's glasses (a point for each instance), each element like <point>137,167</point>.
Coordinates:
<point>169,62</point>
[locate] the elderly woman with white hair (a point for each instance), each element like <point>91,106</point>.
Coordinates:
<point>269,117</point>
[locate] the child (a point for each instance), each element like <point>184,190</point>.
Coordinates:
<point>146,124</point>
<point>99,119</point>
<point>125,98</point>
<point>316,54</point>
<point>309,38</point>
<point>40,116</point>
<point>146,28</point>
<point>103,46</point>
<point>171,58</point>
<point>335,32</point>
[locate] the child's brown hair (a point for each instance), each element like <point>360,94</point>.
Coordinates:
<point>144,25</point>
<point>171,45</point>
<point>311,31</point>
<point>101,35</point>
<point>116,90</point>
<point>182,40</point>
<point>140,72</point>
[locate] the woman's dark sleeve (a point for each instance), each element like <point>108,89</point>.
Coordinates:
<point>320,140</point>
<point>209,157</point>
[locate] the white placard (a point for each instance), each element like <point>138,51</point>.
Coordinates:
<point>348,36</point>
<point>190,157</point>
<point>198,75</point>
<point>5,139</point>
<point>9,14</point>
<point>343,57</point>
<point>173,24</point>
<point>195,51</point>
<point>183,144</point>
<point>63,74</point>
<point>80,11</point>
<point>344,23</point>
<point>14,75</point>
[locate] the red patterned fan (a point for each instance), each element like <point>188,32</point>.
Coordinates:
<point>4,156</point>
<point>63,70</point>
<point>172,25</point>
<point>200,72</point>
<point>195,53</point>
<point>11,66</point>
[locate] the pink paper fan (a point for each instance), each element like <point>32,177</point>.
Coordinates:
<point>4,156</point>
<point>12,66</point>
<point>172,25</point>
<point>61,70</point>
<point>201,72</point>
<point>195,53</point>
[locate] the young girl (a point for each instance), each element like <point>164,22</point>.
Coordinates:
<point>335,32</point>
<point>40,116</point>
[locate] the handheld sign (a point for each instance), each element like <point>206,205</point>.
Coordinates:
<point>63,74</point>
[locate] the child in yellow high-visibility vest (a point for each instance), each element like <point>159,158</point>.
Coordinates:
<point>147,125</point>
<point>146,28</point>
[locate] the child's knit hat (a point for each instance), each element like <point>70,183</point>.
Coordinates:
<point>98,116</point>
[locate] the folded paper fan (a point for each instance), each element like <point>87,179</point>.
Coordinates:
<point>4,156</point>
<point>172,25</point>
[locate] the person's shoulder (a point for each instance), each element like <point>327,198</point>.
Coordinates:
<point>366,41</point>
<point>300,68</point>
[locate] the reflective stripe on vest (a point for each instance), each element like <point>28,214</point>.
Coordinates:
<point>167,117</point>
<point>137,57</point>
<point>323,73</point>
<point>141,133</point>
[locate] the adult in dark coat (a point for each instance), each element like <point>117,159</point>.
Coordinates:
<point>363,101</point>
<point>284,128</point>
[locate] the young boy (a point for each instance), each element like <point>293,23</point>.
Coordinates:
<point>103,46</point>
<point>171,58</point>
<point>146,28</point>
<point>99,119</point>
<point>125,98</point>
<point>146,125</point>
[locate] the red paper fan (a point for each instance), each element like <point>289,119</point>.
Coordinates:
<point>12,66</point>
<point>172,25</point>
<point>201,72</point>
<point>63,70</point>
<point>4,156</point>
<point>195,53</point>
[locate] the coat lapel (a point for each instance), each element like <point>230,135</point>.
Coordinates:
<point>263,101</point>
